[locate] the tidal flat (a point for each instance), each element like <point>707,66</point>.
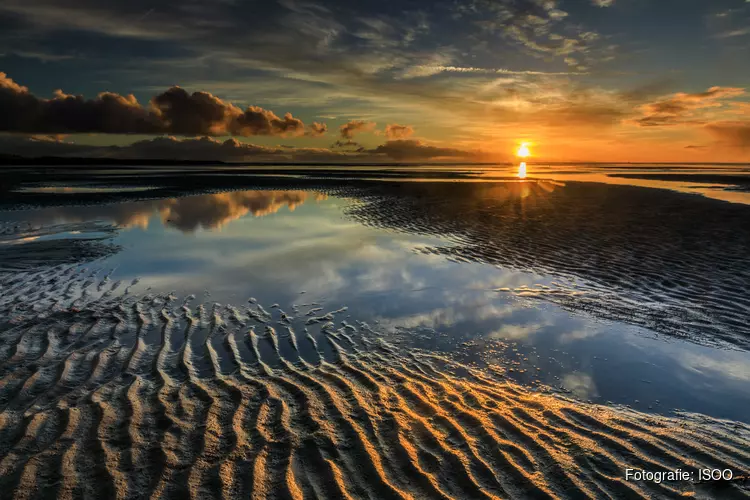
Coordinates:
<point>408,333</point>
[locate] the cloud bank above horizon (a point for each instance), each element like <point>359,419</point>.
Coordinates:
<point>339,81</point>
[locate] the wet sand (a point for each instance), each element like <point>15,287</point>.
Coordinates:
<point>105,394</point>
<point>674,263</point>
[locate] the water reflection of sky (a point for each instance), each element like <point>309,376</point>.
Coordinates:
<point>719,190</point>
<point>273,245</point>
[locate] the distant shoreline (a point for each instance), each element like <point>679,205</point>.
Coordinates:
<point>22,161</point>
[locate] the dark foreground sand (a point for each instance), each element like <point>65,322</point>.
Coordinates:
<point>108,395</point>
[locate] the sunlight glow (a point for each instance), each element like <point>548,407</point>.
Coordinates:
<point>522,170</point>
<point>523,150</point>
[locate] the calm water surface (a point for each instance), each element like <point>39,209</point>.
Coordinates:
<point>300,248</point>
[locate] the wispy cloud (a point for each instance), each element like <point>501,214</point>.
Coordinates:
<point>731,133</point>
<point>734,33</point>
<point>682,107</point>
<point>428,70</point>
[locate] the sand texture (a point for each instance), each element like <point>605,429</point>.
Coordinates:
<point>107,394</point>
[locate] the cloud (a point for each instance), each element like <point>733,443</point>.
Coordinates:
<point>317,129</point>
<point>348,130</point>
<point>199,113</point>
<point>158,148</point>
<point>354,55</point>
<point>347,144</point>
<point>395,131</point>
<point>681,107</point>
<point>429,70</point>
<point>203,149</point>
<point>603,3</point>
<point>731,133</point>
<point>174,111</point>
<point>231,150</point>
<point>408,150</point>
<point>540,27</point>
<point>21,111</point>
<point>734,33</point>
<point>579,114</point>
<point>258,121</point>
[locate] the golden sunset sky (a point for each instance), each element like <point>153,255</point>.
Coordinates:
<point>413,80</point>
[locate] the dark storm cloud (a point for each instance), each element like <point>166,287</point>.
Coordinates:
<point>174,111</point>
<point>731,133</point>
<point>348,130</point>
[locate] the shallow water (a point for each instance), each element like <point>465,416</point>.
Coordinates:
<point>273,245</point>
<point>264,323</point>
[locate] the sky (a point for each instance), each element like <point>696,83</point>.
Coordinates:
<point>377,80</point>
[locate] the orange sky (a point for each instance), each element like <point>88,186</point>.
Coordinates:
<point>342,81</point>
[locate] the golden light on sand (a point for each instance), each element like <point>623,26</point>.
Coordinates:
<point>522,170</point>
<point>523,150</point>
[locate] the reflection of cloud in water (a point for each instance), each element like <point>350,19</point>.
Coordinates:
<point>737,370</point>
<point>214,210</point>
<point>208,211</point>
<point>450,316</point>
<point>582,333</point>
<point>580,384</point>
<point>515,332</point>
<point>641,256</point>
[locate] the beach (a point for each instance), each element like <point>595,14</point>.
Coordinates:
<point>333,334</point>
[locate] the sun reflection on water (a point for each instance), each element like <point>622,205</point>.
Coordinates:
<point>522,170</point>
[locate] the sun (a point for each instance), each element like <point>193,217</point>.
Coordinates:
<point>523,150</point>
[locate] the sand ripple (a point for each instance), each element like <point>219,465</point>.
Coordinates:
<point>673,263</point>
<point>108,395</point>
